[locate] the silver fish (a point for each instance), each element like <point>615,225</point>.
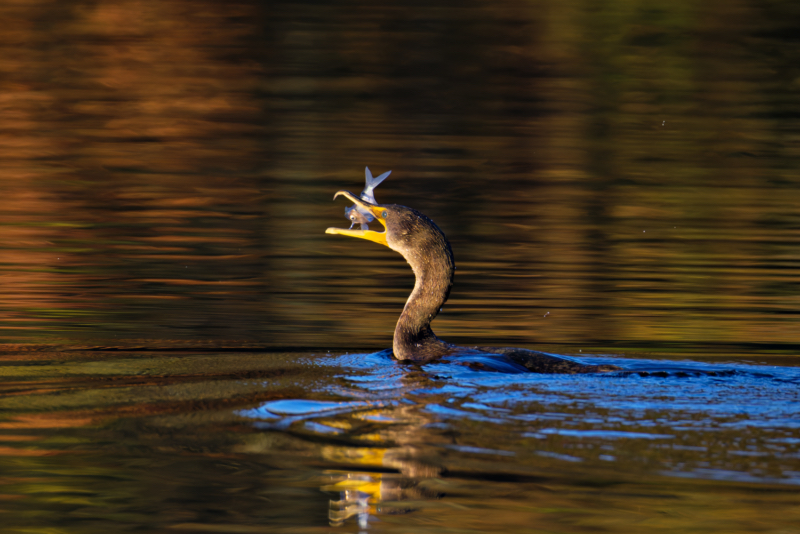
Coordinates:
<point>359,215</point>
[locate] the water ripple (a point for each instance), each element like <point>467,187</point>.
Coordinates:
<point>694,419</point>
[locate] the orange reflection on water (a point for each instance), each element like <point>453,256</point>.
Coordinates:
<point>606,180</point>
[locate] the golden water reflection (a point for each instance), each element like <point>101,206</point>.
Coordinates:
<point>226,441</point>
<point>615,177</point>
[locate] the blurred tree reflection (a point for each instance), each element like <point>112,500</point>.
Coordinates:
<point>607,173</point>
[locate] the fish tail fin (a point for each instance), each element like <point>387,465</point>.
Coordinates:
<point>372,183</point>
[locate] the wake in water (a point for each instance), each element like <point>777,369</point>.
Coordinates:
<point>731,421</point>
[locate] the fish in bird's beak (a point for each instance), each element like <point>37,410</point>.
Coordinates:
<point>360,215</point>
<point>376,211</point>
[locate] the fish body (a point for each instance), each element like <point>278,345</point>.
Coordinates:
<point>359,215</point>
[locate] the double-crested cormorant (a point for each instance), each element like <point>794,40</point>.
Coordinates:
<point>426,249</point>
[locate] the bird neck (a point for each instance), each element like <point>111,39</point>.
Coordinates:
<point>433,268</point>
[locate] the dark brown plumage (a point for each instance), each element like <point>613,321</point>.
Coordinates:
<point>426,249</point>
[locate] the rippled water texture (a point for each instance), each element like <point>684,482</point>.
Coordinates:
<point>183,349</point>
<point>276,442</point>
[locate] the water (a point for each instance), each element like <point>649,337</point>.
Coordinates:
<point>184,349</point>
<point>281,442</point>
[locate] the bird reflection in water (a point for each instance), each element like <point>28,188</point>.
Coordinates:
<point>356,491</point>
<point>365,494</point>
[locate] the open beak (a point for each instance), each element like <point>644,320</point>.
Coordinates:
<point>377,211</point>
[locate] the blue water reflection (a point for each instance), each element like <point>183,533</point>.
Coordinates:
<point>688,418</point>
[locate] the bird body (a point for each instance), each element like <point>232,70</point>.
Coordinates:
<point>426,249</point>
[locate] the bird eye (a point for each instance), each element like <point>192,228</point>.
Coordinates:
<point>384,214</point>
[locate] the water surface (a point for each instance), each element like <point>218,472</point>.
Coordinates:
<point>276,442</point>
<point>184,349</point>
